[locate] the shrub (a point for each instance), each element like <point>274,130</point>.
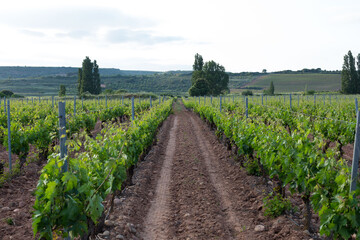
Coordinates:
<point>275,205</point>
<point>6,93</point>
<point>247,93</point>
<point>310,92</point>
<point>252,167</point>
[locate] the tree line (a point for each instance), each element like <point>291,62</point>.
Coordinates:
<point>208,79</point>
<point>307,70</point>
<point>350,76</point>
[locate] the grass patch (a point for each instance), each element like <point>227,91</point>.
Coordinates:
<point>275,205</point>
<point>10,221</point>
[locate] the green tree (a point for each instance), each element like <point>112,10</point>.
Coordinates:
<point>211,74</point>
<point>200,88</point>
<point>272,88</point>
<point>345,76</point>
<point>6,93</point>
<point>216,77</point>
<point>87,76</point>
<point>96,80</point>
<point>350,79</point>
<point>199,63</point>
<point>196,75</point>
<point>197,67</point>
<point>62,90</point>
<point>354,81</point>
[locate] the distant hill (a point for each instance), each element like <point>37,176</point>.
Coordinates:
<point>30,82</point>
<point>28,72</point>
<point>168,82</point>
<point>41,81</point>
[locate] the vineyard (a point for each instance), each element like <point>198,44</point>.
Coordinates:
<point>299,145</point>
<point>255,168</point>
<point>67,201</point>
<point>36,123</point>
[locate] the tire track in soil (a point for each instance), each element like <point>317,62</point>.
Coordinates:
<point>216,180</point>
<point>196,212</point>
<point>156,219</point>
<point>135,200</point>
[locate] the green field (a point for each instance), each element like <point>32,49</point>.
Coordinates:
<point>237,82</point>
<point>297,82</point>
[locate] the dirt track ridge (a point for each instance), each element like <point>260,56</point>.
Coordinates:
<point>213,168</point>
<point>156,219</point>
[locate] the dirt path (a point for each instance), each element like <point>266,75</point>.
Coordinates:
<point>159,211</point>
<point>16,200</point>
<point>189,187</point>
<point>213,169</point>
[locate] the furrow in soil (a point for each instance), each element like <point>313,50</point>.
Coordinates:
<point>156,219</point>
<point>216,180</point>
<point>195,204</point>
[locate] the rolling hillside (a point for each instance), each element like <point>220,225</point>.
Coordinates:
<point>45,81</point>
<point>297,82</point>
<point>33,84</point>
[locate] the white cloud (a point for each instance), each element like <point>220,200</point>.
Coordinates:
<point>141,37</point>
<point>85,18</point>
<point>77,34</point>
<point>32,33</point>
<point>242,35</point>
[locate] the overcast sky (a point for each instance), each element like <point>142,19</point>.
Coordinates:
<point>241,35</point>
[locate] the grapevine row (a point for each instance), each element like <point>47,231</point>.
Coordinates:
<point>70,203</point>
<point>322,122</point>
<point>295,162</point>
<point>41,128</point>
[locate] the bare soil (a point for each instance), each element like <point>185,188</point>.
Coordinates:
<point>189,187</point>
<point>16,201</point>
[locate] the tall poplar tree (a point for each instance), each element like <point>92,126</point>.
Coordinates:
<point>199,63</point>
<point>96,79</point>
<point>345,76</point>
<point>354,80</point>
<point>197,67</point>
<point>89,77</point>
<point>62,90</point>
<point>350,82</point>
<point>272,88</point>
